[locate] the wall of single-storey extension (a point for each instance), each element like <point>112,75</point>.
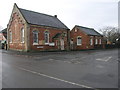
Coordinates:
<point>85,40</point>
<point>41,46</point>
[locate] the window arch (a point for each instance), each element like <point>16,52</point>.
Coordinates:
<point>10,33</point>
<point>91,40</point>
<point>35,37</point>
<point>46,36</point>
<point>22,35</point>
<point>100,41</point>
<point>79,40</point>
<point>96,41</point>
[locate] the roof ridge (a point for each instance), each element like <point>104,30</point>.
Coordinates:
<point>84,27</point>
<point>48,18</point>
<point>97,32</point>
<point>89,31</point>
<point>36,12</point>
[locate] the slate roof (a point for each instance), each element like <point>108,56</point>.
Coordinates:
<point>89,31</point>
<point>36,18</point>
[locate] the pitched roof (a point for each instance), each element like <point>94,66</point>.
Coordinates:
<point>36,18</point>
<point>89,31</point>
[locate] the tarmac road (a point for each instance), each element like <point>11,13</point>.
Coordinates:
<point>74,69</point>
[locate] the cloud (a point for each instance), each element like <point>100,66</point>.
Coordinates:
<point>1,28</point>
<point>90,13</point>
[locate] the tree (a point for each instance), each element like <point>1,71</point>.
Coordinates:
<point>111,34</point>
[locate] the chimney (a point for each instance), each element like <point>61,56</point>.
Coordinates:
<point>55,16</point>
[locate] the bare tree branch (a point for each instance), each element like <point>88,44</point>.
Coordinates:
<point>110,33</point>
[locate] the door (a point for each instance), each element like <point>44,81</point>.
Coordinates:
<point>62,44</point>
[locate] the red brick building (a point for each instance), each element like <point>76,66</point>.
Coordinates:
<point>3,35</point>
<point>31,31</point>
<point>3,38</point>
<point>85,38</point>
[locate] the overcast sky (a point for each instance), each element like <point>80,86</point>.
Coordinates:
<point>89,13</point>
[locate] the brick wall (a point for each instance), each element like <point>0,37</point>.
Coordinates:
<point>52,33</point>
<point>15,28</point>
<point>85,40</point>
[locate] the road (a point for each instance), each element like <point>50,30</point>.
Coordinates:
<point>0,70</point>
<point>74,69</point>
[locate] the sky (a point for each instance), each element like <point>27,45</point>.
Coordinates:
<point>88,13</point>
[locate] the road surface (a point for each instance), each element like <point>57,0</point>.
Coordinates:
<point>74,69</point>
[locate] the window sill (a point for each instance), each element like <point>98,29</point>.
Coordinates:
<point>46,43</point>
<point>22,42</point>
<point>35,44</point>
<point>79,44</point>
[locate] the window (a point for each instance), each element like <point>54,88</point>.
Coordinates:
<point>22,35</point>
<point>91,41</point>
<point>65,34</point>
<point>100,41</point>
<point>35,37</point>
<point>46,37</point>
<point>96,41</point>
<point>10,37</point>
<point>75,29</point>
<point>79,41</point>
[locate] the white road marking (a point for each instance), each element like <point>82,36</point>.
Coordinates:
<point>78,62</point>
<point>67,61</point>
<point>70,62</point>
<point>99,66</point>
<point>51,59</point>
<point>104,59</point>
<point>44,75</point>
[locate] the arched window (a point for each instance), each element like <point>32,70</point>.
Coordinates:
<point>46,37</point>
<point>79,40</point>
<point>22,35</point>
<point>10,33</point>
<point>96,41</point>
<point>35,37</point>
<point>100,41</point>
<point>91,41</point>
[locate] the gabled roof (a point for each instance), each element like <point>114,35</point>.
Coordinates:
<point>36,18</point>
<point>89,31</point>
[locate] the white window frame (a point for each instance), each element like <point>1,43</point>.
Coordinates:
<point>10,35</point>
<point>46,33</point>
<point>35,32</point>
<point>78,44</point>
<point>76,29</point>
<point>96,41</point>
<point>91,41</point>
<point>22,35</point>
<point>100,41</point>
